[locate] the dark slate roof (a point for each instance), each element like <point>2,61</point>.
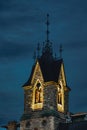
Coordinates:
<point>30,77</point>
<point>50,69</point>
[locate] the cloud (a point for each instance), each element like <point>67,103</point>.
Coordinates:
<point>12,106</point>
<point>76,45</point>
<point>80,105</point>
<point>18,12</point>
<point>12,50</point>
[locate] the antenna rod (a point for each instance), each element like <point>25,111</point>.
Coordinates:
<point>47,23</point>
<point>38,50</point>
<point>34,56</point>
<point>61,50</point>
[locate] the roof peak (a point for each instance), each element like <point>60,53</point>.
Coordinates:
<point>47,31</point>
<point>47,50</point>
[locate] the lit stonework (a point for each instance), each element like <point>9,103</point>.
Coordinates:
<point>37,101</point>
<point>60,100</point>
<point>37,74</point>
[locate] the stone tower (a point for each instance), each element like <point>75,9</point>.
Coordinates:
<point>45,93</point>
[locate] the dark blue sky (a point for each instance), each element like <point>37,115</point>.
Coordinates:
<point>22,26</point>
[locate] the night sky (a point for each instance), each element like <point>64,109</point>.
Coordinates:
<point>22,26</point>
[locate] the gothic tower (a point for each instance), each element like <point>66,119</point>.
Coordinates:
<point>46,92</point>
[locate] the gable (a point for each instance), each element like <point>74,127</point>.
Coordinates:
<point>62,77</point>
<point>46,71</point>
<point>37,74</point>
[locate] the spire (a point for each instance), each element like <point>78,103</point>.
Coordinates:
<point>47,50</point>
<point>34,56</point>
<point>43,48</point>
<point>47,32</point>
<point>38,50</point>
<point>60,50</point>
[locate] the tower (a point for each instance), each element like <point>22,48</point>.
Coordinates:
<point>46,92</point>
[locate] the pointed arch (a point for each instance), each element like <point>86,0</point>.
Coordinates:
<point>38,93</point>
<point>60,97</point>
<point>37,102</point>
<point>59,94</point>
<point>37,74</point>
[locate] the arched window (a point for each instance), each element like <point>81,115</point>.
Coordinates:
<point>38,93</point>
<point>59,94</point>
<point>37,100</point>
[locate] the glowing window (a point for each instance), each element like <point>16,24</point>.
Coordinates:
<point>38,93</point>
<point>59,94</point>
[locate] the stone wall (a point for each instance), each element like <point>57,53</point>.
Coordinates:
<point>46,123</point>
<point>50,97</point>
<point>66,102</point>
<point>28,95</point>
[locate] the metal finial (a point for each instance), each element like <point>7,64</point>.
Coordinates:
<point>38,50</point>
<point>47,23</point>
<point>34,56</point>
<point>60,50</point>
<point>43,48</point>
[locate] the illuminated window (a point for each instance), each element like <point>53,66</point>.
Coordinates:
<point>59,95</point>
<point>37,102</point>
<point>38,93</point>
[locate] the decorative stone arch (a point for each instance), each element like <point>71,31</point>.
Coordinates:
<point>60,94</point>
<point>60,97</point>
<point>37,102</point>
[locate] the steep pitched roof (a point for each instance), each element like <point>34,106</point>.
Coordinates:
<point>50,70</point>
<point>50,66</point>
<point>30,77</point>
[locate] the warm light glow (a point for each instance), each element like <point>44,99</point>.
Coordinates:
<point>37,73</point>
<point>37,102</point>
<point>37,106</point>
<point>60,97</point>
<point>62,84</point>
